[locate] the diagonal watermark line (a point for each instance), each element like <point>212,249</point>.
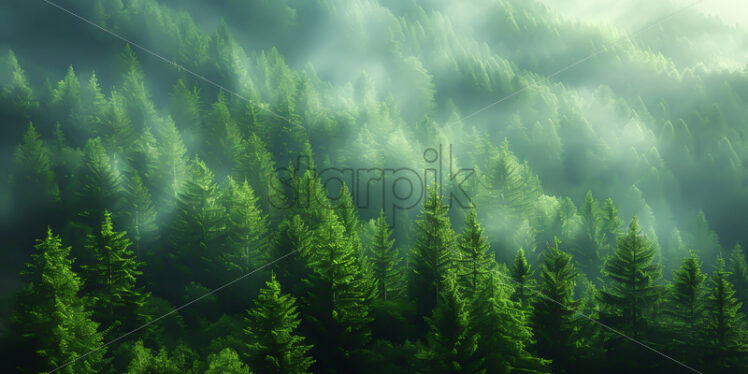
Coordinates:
<point>603,49</point>
<point>172,311</point>
<point>601,324</point>
<point>171,62</point>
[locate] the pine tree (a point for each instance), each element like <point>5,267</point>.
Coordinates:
<point>33,175</point>
<point>686,293</point>
<point>93,105</point>
<point>101,184</point>
<point>611,225</point>
<point>51,319</point>
<point>450,347</point>
<point>275,346</point>
<point>226,362</point>
<point>739,275</point>
<point>115,126</point>
<point>521,273</point>
<point>15,87</point>
<point>112,281</point>
<point>503,334</point>
<point>66,100</point>
<point>222,136</point>
<point>247,227</point>
<point>254,163</point>
<point>170,172</point>
<point>385,261</point>
<point>588,247</point>
<point>433,253</point>
<point>725,334</point>
<point>198,232</point>
<point>474,257</point>
<point>553,313</point>
<point>293,235</point>
<point>337,311</point>
<point>632,272</point>
<point>141,215</point>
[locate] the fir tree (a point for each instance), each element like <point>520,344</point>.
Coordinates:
<point>588,247</point>
<point>450,347</point>
<point>226,362</point>
<point>51,319</point>
<point>611,225</point>
<point>275,345</point>
<point>15,87</point>
<point>246,227</point>
<point>198,232</point>
<point>686,293</point>
<point>385,261</point>
<point>336,305</point>
<point>739,275</point>
<point>553,313</point>
<point>33,175</point>
<point>632,272</point>
<point>222,138</point>
<point>725,335</point>
<point>503,334</point>
<point>112,281</point>
<point>170,172</point>
<point>521,273</point>
<point>101,184</point>
<point>254,163</point>
<point>433,253</point>
<point>474,257</point>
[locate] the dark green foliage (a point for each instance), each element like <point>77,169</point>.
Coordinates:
<point>33,176</point>
<point>554,312</point>
<point>335,310</point>
<point>739,274</point>
<point>275,346</point>
<point>51,319</point>
<point>111,282</point>
<point>433,254</point>
<point>503,334</point>
<point>686,293</point>
<point>385,261</point>
<point>101,184</point>
<point>226,362</point>
<point>247,230</point>
<point>141,215</point>
<point>521,273</point>
<point>725,334</point>
<point>450,347</point>
<point>632,292</point>
<point>474,258</point>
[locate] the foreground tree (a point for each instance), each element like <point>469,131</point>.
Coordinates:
<point>521,273</point>
<point>112,280</point>
<point>553,314</point>
<point>474,258</point>
<point>385,262</point>
<point>725,334</point>
<point>686,293</point>
<point>433,254</point>
<point>51,320</point>
<point>276,347</point>
<point>450,347</point>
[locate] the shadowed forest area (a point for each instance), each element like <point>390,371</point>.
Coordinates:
<point>373,186</point>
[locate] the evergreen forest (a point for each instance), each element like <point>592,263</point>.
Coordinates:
<point>373,186</point>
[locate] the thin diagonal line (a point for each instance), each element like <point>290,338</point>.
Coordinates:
<point>173,311</point>
<point>170,62</point>
<point>601,324</point>
<point>603,49</point>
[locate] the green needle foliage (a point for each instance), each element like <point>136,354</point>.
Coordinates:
<point>521,273</point>
<point>385,262</point>
<point>275,345</point>
<point>473,253</point>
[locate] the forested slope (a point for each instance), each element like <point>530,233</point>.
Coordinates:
<point>608,186</point>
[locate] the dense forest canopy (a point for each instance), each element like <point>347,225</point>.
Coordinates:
<point>292,186</point>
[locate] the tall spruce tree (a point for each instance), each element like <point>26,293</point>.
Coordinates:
<point>725,331</point>
<point>450,347</point>
<point>33,176</point>
<point>433,253</point>
<point>101,187</point>
<point>474,257</point>
<point>198,232</point>
<point>52,324</point>
<point>275,345</point>
<point>111,282</point>
<point>685,296</point>
<point>385,261</point>
<point>141,214</point>
<point>739,275</point>
<point>247,228</point>
<point>632,273</point>
<point>521,273</point>
<point>503,333</point>
<point>553,313</point>
<point>335,305</point>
